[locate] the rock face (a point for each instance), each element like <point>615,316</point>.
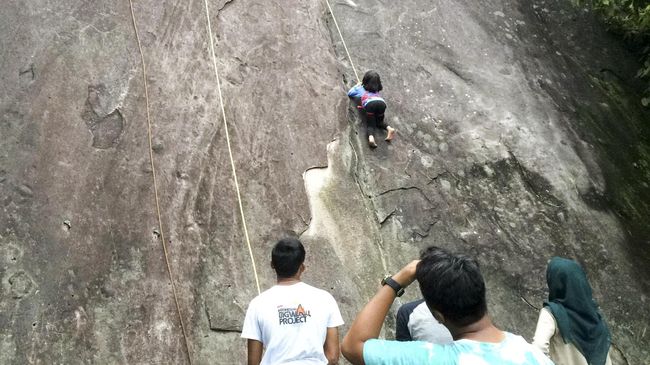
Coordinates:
<point>519,137</point>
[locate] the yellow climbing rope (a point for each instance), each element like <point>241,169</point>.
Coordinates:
<point>155,186</point>
<point>343,40</point>
<point>232,161</point>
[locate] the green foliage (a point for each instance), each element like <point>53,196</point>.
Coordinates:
<point>631,19</point>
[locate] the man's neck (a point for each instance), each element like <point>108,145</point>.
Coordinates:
<point>483,331</point>
<point>288,281</point>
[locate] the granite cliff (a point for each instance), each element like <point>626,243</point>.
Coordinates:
<point>520,137</point>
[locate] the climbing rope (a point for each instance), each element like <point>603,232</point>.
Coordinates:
<point>336,23</point>
<point>342,40</point>
<point>155,186</point>
<point>232,161</point>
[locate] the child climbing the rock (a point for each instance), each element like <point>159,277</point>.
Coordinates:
<point>366,94</point>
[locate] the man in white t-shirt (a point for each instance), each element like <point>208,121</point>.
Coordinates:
<point>292,322</point>
<point>415,322</point>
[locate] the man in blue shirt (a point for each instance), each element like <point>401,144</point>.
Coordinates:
<point>454,290</point>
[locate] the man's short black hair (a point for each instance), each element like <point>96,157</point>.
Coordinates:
<point>372,82</point>
<point>287,256</point>
<point>452,285</point>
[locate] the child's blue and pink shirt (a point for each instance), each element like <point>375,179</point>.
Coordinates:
<point>364,95</point>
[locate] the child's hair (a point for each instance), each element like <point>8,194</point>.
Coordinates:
<point>371,82</point>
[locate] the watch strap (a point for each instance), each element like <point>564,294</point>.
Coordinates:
<point>399,291</point>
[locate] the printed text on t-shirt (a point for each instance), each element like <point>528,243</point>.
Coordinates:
<point>293,315</point>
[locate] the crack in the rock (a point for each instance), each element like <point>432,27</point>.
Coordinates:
<point>421,233</point>
<point>315,168</point>
<point>451,68</point>
<point>496,220</point>
<point>392,213</point>
<point>398,189</point>
<point>304,221</point>
<point>355,172</point>
<point>214,328</point>
<point>627,362</point>
<point>528,302</point>
<point>369,204</point>
<point>524,176</point>
<point>226,3</point>
<point>307,224</point>
<point>547,217</point>
<point>334,40</point>
<point>30,70</point>
<point>408,163</point>
<point>427,231</point>
<point>207,314</point>
<point>433,178</point>
<point>224,331</point>
<point>405,188</point>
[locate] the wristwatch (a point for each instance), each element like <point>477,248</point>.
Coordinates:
<point>394,285</point>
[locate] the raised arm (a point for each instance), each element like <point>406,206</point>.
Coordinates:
<point>356,91</point>
<point>368,323</point>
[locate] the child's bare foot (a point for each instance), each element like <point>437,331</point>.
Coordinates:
<point>391,133</point>
<point>371,141</point>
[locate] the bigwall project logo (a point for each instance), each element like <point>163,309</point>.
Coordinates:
<point>293,315</point>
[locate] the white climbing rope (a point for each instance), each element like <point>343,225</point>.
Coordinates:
<point>155,187</point>
<point>343,40</point>
<point>232,161</point>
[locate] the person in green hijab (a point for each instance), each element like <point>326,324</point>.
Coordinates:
<point>570,329</point>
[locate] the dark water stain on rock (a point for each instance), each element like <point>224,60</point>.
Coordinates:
<point>595,199</point>
<point>107,130</point>
<point>503,171</point>
<point>106,127</point>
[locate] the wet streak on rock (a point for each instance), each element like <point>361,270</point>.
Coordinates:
<point>106,128</point>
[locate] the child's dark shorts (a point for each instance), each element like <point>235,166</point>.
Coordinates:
<point>375,107</point>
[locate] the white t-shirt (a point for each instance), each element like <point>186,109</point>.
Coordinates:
<point>424,327</point>
<point>291,321</point>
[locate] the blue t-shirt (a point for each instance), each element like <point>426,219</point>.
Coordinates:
<point>513,350</point>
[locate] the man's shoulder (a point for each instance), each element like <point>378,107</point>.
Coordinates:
<point>407,352</point>
<point>263,296</point>
<point>517,348</point>
<point>408,308</point>
<point>322,293</point>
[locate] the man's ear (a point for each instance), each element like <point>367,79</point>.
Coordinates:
<point>302,268</point>
<point>272,266</point>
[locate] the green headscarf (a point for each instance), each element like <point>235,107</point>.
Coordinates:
<point>575,311</point>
